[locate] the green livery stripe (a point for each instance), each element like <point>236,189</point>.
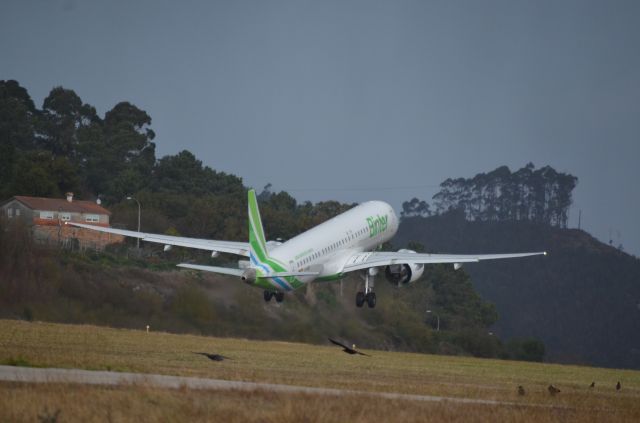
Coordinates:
<point>259,256</point>
<point>256,233</point>
<point>266,282</point>
<point>258,245</point>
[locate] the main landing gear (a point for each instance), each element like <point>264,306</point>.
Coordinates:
<point>268,294</point>
<point>368,295</point>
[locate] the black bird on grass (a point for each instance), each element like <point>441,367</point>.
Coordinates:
<point>48,417</point>
<point>347,349</point>
<point>618,386</point>
<point>521,390</point>
<point>214,357</point>
<point>553,390</point>
<point>593,384</point>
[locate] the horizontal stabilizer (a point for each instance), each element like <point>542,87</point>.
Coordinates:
<point>214,269</point>
<point>240,272</point>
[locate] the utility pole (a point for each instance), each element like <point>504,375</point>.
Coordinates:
<point>137,239</point>
<point>579,218</point>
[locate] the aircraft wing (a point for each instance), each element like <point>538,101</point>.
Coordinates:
<point>232,247</point>
<point>366,260</point>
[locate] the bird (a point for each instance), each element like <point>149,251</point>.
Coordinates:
<point>553,390</point>
<point>214,357</point>
<point>347,349</point>
<point>521,390</point>
<point>593,384</point>
<point>48,417</point>
<point>618,386</point>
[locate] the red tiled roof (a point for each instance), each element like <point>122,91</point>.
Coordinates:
<point>61,204</point>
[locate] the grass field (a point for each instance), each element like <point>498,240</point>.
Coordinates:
<point>90,347</point>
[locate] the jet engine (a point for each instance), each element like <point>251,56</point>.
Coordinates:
<point>403,274</point>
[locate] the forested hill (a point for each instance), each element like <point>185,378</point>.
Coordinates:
<point>67,146</point>
<point>582,300</point>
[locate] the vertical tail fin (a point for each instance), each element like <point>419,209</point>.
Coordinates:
<point>262,264</point>
<point>257,243</point>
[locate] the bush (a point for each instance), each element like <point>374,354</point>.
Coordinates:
<point>529,349</point>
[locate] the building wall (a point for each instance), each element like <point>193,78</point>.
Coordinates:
<point>54,232</point>
<point>11,209</point>
<point>103,219</point>
<point>68,235</point>
<point>25,212</point>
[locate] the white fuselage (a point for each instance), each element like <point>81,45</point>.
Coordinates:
<point>326,247</point>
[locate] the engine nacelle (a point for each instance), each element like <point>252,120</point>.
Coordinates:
<point>249,275</point>
<point>403,274</point>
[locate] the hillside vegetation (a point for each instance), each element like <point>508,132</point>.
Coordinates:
<point>108,288</point>
<point>65,145</point>
<point>582,300</point>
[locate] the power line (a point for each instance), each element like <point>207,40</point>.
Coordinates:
<point>405,187</point>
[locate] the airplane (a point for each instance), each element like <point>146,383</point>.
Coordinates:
<point>327,252</point>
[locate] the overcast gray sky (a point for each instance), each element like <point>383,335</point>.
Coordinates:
<point>357,100</point>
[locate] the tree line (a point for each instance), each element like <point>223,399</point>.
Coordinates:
<point>541,195</point>
<point>66,146</point>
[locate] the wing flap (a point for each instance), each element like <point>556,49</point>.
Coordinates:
<point>214,269</point>
<point>375,259</point>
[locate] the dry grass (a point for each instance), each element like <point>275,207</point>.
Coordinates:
<point>23,402</point>
<point>90,347</point>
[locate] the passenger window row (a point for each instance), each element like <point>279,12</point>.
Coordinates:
<point>332,247</point>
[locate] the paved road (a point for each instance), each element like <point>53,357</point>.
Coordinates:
<point>92,377</point>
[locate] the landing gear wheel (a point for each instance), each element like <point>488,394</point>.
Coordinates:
<point>371,299</point>
<point>279,296</point>
<point>268,295</point>
<point>359,299</point>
